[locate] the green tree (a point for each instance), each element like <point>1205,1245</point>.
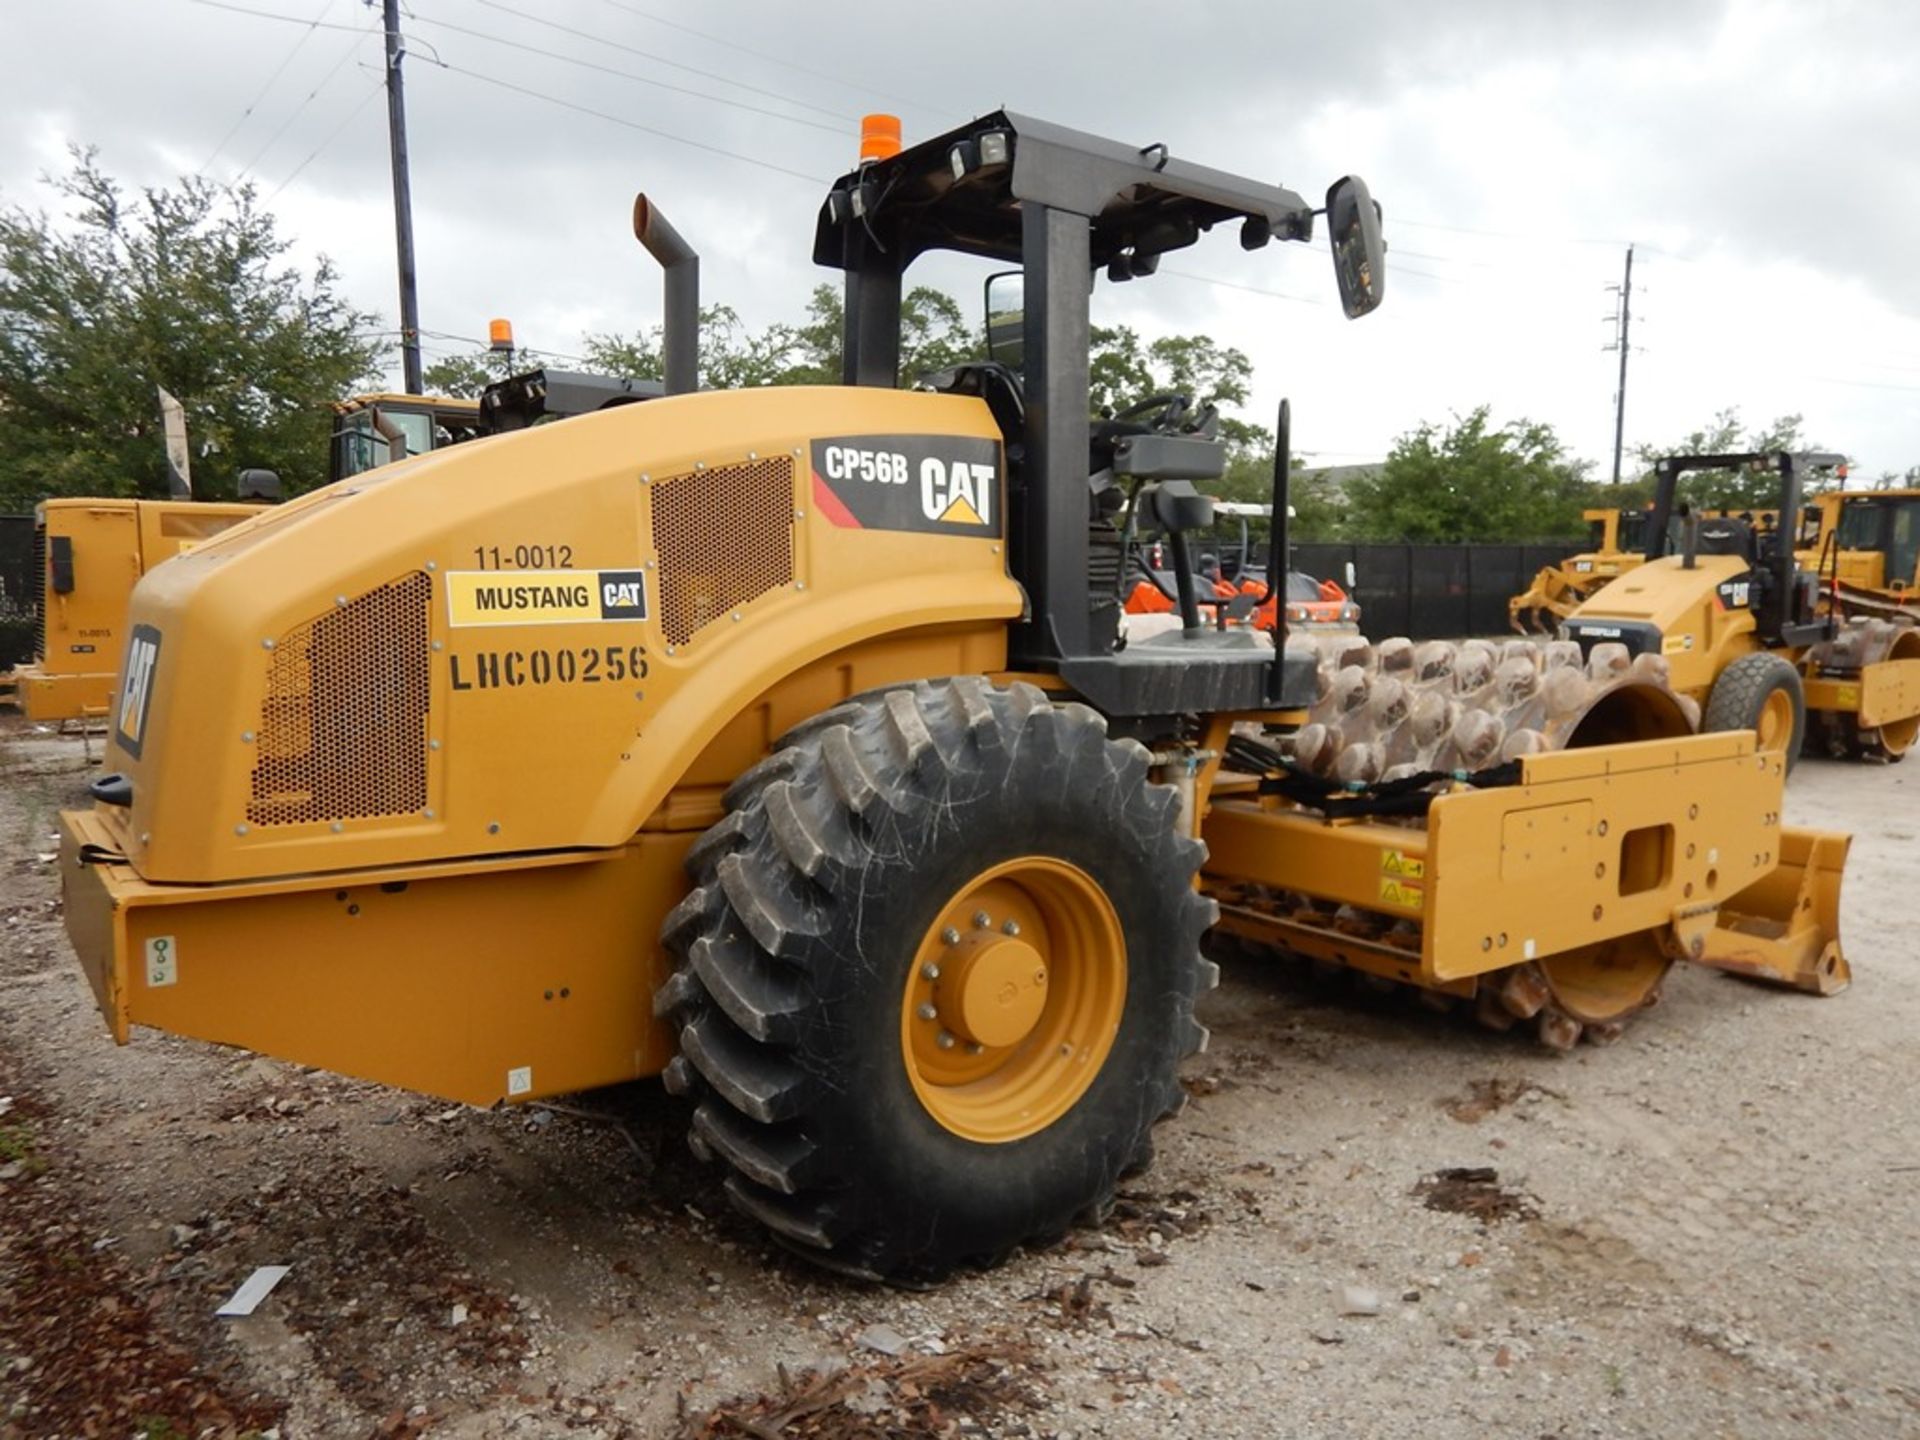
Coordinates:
<point>933,336</point>
<point>188,288</point>
<point>465,375</point>
<point>1724,434</point>
<point>1471,480</point>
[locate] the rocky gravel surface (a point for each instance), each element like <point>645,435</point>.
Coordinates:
<point>1370,1220</point>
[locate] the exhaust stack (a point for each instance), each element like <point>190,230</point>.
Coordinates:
<point>173,425</point>
<point>680,331</point>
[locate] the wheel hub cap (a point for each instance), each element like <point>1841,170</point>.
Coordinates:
<point>993,989</point>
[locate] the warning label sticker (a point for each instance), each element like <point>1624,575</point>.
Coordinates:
<point>1407,867</point>
<point>1402,895</point>
<point>545,597</point>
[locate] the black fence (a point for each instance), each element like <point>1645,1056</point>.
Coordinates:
<point>1431,591</point>
<point>16,589</point>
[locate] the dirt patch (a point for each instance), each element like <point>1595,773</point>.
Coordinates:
<point>1484,1098</point>
<point>1475,1191</point>
<point>81,1351</point>
<point>984,1388</point>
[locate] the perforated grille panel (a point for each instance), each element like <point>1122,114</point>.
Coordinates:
<point>723,536</point>
<point>343,726</point>
<point>39,591</point>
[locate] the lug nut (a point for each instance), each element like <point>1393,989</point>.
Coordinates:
<point>950,936</point>
<point>929,971</point>
<point>976,1048</point>
<point>943,1040</point>
<point>1012,927</point>
<point>981,920</point>
<point>927,1012</point>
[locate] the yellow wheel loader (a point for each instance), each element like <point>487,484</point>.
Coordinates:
<point>380,428</point>
<point>1868,553</point>
<point>1557,589</point>
<point>87,556</point>
<point>782,743</point>
<point>1744,627</point>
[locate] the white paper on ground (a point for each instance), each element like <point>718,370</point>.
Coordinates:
<point>255,1288</point>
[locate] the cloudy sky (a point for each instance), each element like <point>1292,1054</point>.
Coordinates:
<point>1764,157</point>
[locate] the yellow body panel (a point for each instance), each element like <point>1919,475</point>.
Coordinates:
<point>466,956</point>
<point>1590,845</point>
<point>1882,694</point>
<point>1700,636</point>
<point>114,542</point>
<point>529,734</point>
<point>479,981</point>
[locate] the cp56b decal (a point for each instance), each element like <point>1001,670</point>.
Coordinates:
<point>934,484</point>
<point>544,597</point>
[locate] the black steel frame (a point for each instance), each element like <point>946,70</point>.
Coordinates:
<point>1061,205</point>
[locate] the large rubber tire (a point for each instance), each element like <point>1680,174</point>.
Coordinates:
<point>1745,692</point>
<point>799,940</point>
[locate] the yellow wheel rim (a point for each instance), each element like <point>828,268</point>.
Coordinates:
<point>1609,980</point>
<point>1014,999</point>
<point>1775,727</point>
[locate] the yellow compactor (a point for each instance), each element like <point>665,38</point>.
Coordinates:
<point>782,743</point>
<point>1756,638</point>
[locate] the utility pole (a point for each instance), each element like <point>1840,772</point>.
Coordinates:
<point>1622,320</point>
<point>403,200</point>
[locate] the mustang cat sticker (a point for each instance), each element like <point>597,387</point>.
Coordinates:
<point>544,597</point>
<point>933,484</point>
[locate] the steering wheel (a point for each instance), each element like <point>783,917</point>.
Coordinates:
<point>1166,412</point>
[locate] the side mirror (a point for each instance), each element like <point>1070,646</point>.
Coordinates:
<point>1359,254</point>
<point>1006,317</point>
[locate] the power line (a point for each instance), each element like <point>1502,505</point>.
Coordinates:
<point>1234,285</point>
<point>838,130</point>
<point>629,124</point>
<point>332,135</point>
<point>1501,234</point>
<point>827,75</point>
<point>298,110</point>
<point>288,19</point>
<point>662,60</point>
<point>285,60</point>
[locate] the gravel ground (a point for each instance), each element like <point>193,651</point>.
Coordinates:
<point>1709,1229</point>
